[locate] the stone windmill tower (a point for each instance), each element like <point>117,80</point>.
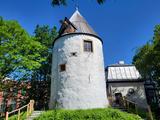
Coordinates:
<point>78,78</point>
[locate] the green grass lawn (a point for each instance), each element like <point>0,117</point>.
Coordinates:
<point>90,114</point>
<point>15,117</point>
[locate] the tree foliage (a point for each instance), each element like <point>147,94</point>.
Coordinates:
<point>64,2</point>
<point>147,57</point>
<point>41,77</point>
<point>18,50</point>
<point>24,55</point>
<point>45,35</point>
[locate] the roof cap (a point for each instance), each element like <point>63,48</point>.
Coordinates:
<point>121,62</point>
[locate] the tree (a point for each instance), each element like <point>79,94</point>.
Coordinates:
<point>28,57</point>
<point>41,77</point>
<point>64,2</point>
<point>19,52</point>
<point>45,36</point>
<point>147,58</point>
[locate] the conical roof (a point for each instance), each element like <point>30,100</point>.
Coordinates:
<point>81,24</point>
<point>76,25</point>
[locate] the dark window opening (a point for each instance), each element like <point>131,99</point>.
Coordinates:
<point>88,47</point>
<point>74,54</point>
<point>62,67</point>
<point>118,98</point>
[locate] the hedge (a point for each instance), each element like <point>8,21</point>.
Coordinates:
<point>90,114</point>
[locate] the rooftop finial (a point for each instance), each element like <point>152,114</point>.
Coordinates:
<point>76,4</point>
<point>77,7</point>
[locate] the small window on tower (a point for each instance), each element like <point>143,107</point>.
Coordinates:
<point>62,67</point>
<point>88,47</point>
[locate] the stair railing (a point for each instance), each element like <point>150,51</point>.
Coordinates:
<point>127,105</point>
<point>30,109</point>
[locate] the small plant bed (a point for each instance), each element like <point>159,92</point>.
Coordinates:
<point>90,114</point>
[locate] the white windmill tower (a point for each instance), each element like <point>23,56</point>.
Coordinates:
<point>78,77</point>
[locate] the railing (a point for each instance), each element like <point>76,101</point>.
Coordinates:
<point>30,109</point>
<point>127,104</point>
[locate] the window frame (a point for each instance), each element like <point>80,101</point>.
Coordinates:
<point>87,48</point>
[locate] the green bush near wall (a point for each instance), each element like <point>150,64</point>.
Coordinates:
<point>90,114</point>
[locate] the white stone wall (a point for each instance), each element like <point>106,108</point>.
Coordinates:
<point>82,85</point>
<point>138,96</point>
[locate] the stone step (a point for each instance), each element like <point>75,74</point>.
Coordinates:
<point>34,115</point>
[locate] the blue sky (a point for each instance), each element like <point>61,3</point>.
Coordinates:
<point>123,25</point>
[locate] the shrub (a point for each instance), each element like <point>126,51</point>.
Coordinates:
<point>90,114</point>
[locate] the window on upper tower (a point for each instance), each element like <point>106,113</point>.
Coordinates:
<point>88,47</point>
<point>62,67</point>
